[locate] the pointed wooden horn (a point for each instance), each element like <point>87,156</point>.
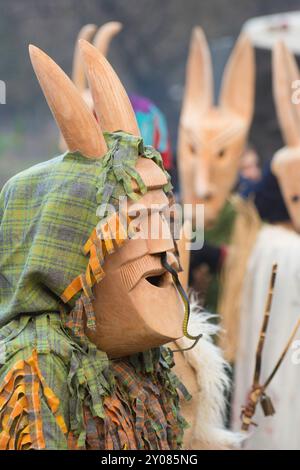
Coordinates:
<point>105,34</point>
<point>112,105</point>
<point>238,84</point>
<point>78,75</point>
<point>285,71</point>
<point>198,93</point>
<point>76,123</point>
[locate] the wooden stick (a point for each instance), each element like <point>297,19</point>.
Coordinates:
<point>258,390</point>
<point>264,327</point>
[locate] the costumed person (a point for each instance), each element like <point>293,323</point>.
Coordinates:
<point>277,199</point>
<point>211,142</point>
<point>250,170</point>
<point>82,362</point>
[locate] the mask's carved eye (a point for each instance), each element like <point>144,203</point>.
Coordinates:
<point>295,198</point>
<point>192,149</point>
<point>222,153</point>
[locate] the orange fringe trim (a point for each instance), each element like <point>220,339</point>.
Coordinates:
<point>20,407</point>
<point>112,234</point>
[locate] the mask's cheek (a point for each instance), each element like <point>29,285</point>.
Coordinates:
<point>224,178</point>
<point>135,321</point>
<point>115,314</point>
<point>213,207</point>
<point>291,193</point>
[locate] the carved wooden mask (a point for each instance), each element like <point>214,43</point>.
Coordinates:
<point>286,162</point>
<point>137,305</point>
<point>212,138</point>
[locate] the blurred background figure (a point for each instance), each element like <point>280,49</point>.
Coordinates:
<point>153,126</point>
<point>250,165</point>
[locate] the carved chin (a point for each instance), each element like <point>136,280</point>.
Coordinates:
<point>210,216</point>
<point>149,315</point>
<point>212,210</point>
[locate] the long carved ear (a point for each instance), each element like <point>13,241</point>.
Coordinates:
<point>198,93</point>
<point>285,71</point>
<point>238,84</point>
<point>112,105</point>
<point>76,123</point>
<point>105,34</point>
<point>78,75</point>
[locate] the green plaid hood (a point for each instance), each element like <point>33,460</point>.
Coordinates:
<point>48,212</point>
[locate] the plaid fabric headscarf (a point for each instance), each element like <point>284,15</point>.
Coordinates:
<point>56,389</point>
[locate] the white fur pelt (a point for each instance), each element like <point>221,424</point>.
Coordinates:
<point>210,368</point>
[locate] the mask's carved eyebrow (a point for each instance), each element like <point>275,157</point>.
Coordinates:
<point>228,134</point>
<point>151,174</point>
<point>218,139</point>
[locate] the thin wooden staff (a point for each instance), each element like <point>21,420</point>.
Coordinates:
<point>265,323</point>
<point>258,391</point>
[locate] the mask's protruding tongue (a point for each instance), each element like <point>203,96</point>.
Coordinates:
<point>185,300</point>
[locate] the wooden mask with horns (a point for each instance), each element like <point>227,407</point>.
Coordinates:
<point>136,304</point>
<point>212,138</point>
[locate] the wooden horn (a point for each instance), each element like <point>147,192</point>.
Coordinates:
<point>112,105</point>
<point>105,34</point>
<point>198,93</point>
<point>78,76</point>
<point>285,71</point>
<point>238,84</point>
<point>76,123</point>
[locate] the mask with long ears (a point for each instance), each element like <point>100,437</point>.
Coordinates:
<point>286,162</point>
<point>101,39</point>
<point>136,305</point>
<point>212,138</point>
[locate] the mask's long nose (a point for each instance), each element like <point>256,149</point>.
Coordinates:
<point>156,230</point>
<point>202,183</point>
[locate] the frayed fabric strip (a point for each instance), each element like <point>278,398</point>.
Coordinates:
<point>20,406</point>
<point>102,242</point>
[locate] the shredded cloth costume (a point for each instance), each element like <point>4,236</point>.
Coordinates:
<point>57,390</point>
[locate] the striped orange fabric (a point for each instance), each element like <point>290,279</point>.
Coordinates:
<point>20,407</point>
<point>112,235</point>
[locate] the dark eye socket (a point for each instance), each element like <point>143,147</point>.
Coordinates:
<point>221,153</point>
<point>192,149</point>
<point>295,198</point>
